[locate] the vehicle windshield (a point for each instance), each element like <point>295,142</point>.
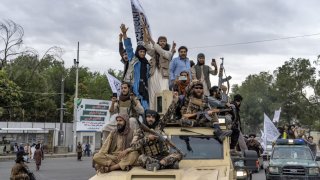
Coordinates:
<point>292,152</point>
<point>199,146</point>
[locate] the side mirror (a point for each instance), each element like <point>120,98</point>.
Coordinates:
<point>317,158</point>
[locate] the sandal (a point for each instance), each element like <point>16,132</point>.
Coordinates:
<point>104,169</point>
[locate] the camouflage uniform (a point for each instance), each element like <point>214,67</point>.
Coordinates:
<point>155,150</point>
<point>195,105</point>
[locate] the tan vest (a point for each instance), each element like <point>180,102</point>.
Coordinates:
<point>163,66</point>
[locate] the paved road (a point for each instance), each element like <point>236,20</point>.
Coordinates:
<point>259,176</point>
<point>55,169</point>
<point>68,168</point>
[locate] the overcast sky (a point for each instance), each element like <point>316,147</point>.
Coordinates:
<point>198,24</point>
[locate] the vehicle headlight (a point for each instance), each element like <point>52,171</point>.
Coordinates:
<point>222,120</point>
<point>241,173</point>
<point>314,171</point>
<point>239,163</point>
<point>273,170</point>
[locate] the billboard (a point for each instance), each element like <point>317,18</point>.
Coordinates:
<point>92,114</point>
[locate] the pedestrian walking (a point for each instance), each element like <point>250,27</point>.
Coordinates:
<point>38,157</point>
<point>33,149</point>
<point>79,151</point>
<point>87,150</point>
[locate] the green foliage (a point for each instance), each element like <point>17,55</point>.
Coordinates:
<point>294,87</point>
<point>33,88</point>
<point>10,96</point>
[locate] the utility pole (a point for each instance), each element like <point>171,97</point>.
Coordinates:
<point>61,134</point>
<point>76,63</point>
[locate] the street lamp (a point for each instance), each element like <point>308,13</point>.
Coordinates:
<point>76,64</point>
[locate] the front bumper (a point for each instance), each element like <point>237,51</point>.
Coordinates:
<point>291,177</point>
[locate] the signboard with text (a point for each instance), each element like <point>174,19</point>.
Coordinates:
<point>92,114</point>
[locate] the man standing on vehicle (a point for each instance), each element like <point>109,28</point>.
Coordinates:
<point>115,152</point>
<point>126,104</point>
<point>179,64</point>
<point>236,123</point>
<point>155,153</point>
<point>202,72</point>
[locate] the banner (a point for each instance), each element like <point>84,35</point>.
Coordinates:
<point>271,133</point>
<point>139,16</point>
<point>263,140</point>
<point>115,84</point>
<point>276,116</point>
<point>92,114</point>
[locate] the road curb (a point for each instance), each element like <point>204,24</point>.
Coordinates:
<point>49,156</point>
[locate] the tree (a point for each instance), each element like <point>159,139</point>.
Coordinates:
<point>292,81</point>
<point>11,35</point>
<point>258,98</point>
<point>10,96</point>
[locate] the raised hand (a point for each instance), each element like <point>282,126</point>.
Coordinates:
<point>213,63</point>
<point>173,49</point>
<point>124,30</point>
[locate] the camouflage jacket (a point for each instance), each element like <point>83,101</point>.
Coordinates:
<point>142,143</point>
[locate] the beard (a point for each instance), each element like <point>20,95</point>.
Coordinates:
<point>120,128</point>
<point>200,63</point>
<point>196,95</point>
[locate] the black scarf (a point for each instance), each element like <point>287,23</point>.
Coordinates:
<point>157,118</point>
<point>143,81</point>
<point>124,97</point>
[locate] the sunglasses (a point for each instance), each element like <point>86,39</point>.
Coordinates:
<point>198,87</point>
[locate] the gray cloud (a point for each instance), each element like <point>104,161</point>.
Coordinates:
<point>95,23</point>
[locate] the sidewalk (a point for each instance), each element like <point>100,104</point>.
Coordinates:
<point>13,157</point>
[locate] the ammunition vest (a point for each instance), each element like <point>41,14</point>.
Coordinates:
<point>195,105</point>
<point>155,148</point>
<point>125,107</point>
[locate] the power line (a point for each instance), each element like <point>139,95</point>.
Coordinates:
<point>28,92</point>
<point>257,41</point>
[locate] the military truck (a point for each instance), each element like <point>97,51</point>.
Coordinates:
<point>292,159</point>
<point>204,157</point>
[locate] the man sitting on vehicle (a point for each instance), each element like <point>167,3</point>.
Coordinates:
<point>155,152</point>
<point>196,111</point>
<point>115,152</point>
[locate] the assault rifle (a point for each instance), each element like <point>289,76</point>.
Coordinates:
<point>160,137</point>
<point>220,75</point>
<point>205,113</point>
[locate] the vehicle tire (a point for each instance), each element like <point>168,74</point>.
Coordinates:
<point>250,177</point>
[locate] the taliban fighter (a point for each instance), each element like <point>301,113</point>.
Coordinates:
<point>196,111</point>
<point>155,152</point>
<point>116,152</point>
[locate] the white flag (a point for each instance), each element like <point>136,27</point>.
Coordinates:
<point>270,131</point>
<point>276,116</point>
<point>115,84</point>
<point>263,139</point>
<point>139,16</point>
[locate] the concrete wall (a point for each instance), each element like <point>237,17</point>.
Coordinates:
<point>67,128</point>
